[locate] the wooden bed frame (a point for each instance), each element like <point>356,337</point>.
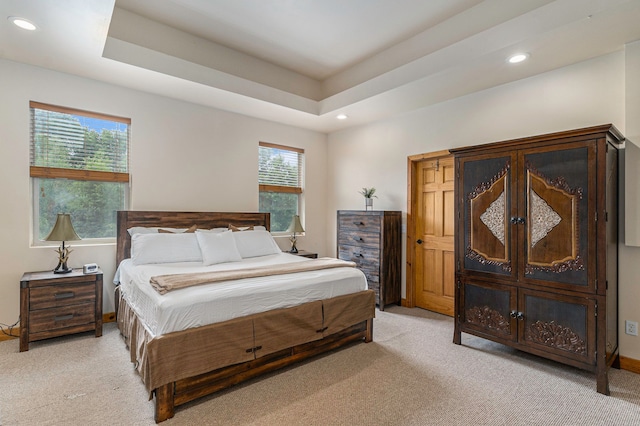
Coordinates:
<point>344,319</point>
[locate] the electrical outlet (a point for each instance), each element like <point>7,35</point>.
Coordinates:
<point>631,327</point>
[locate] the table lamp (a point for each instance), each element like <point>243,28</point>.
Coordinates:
<point>62,231</point>
<point>296,228</point>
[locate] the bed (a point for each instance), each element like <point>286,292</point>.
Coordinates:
<point>184,355</point>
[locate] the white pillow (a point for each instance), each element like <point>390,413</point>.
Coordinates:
<point>142,230</point>
<point>152,230</point>
<point>218,247</point>
<point>255,243</point>
<point>213,230</point>
<point>165,248</point>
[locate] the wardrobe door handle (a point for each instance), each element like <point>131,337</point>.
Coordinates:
<point>419,241</point>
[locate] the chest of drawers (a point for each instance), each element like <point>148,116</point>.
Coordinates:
<point>53,305</point>
<point>371,239</point>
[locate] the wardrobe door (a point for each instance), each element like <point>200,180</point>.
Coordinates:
<point>558,324</point>
<point>489,310</point>
<point>487,204</point>
<point>559,217</point>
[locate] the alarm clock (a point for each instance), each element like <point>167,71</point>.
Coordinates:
<point>90,268</point>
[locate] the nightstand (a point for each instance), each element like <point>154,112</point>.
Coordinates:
<point>304,253</point>
<point>53,305</point>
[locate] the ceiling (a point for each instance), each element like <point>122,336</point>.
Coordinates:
<point>302,62</point>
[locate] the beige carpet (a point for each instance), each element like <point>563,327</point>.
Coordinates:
<point>410,375</point>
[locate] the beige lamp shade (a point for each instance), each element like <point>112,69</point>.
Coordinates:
<point>63,229</point>
<point>296,226</point>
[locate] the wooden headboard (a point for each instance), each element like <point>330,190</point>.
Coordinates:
<point>206,220</point>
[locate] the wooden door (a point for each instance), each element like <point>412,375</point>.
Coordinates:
<point>434,275</point>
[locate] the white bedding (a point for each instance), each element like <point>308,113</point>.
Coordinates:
<point>212,303</point>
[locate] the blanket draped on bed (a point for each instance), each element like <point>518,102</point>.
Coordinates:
<point>165,283</point>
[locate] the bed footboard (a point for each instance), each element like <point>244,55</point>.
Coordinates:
<point>244,347</point>
<point>171,395</point>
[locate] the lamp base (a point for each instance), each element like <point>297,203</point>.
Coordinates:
<point>62,269</point>
<point>63,256</point>
<point>294,249</point>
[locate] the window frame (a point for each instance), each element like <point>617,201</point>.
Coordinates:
<point>299,190</point>
<point>42,172</point>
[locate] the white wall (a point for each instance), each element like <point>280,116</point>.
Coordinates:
<point>183,157</point>
<point>188,157</point>
<point>632,154</point>
<point>629,299</point>
<point>582,95</point>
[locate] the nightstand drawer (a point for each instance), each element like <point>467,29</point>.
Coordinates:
<point>61,295</point>
<point>66,316</point>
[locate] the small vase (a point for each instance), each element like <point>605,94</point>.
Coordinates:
<point>368,203</point>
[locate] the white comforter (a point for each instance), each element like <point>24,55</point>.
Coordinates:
<point>211,303</point>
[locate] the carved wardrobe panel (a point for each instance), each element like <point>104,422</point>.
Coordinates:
<point>536,235</point>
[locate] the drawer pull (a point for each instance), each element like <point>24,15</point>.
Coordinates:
<point>358,239</point>
<point>63,317</point>
<point>358,255</point>
<point>65,295</point>
<point>358,223</point>
<point>254,349</point>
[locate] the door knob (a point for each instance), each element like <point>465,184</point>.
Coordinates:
<point>419,241</point>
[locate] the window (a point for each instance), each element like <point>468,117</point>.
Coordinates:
<point>79,165</point>
<point>280,177</point>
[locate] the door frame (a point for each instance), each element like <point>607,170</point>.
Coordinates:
<point>412,176</point>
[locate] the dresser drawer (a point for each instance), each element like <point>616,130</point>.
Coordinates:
<point>62,317</point>
<point>373,281</point>
<point>373,277</point>
<point>356,222</point>
<point>364,257</point>
<point>61,295</point>
<point>359,238</point>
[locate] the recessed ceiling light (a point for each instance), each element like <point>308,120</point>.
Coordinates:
<point>519,57</point>
<point>23,23</point>
<point>342,116</point>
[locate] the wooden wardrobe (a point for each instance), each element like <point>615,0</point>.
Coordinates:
<point>536,246</point>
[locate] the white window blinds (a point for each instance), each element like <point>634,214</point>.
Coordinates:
<point>280,168</point>
<point>74,144</point>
